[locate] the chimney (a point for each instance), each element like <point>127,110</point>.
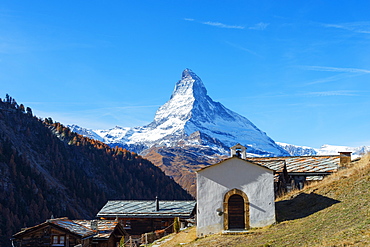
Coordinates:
<point>238,151</point>
<point>156,204</point>
<point>345,159</point>
<point>94,225</point>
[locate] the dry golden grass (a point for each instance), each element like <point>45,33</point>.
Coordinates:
<point>357,168</point>
<point>183,237</point>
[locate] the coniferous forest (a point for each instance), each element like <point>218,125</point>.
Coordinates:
<point>47,170</point>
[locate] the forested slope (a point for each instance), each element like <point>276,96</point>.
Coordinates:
<point>48,170</point>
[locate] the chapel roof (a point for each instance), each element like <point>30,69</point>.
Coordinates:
<point>235,157</point>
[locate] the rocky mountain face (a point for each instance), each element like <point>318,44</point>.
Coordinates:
<point>192,118</point>
<point>295,150</point>
<point>180,163</point>
<point>191,131</point>
<point>188,132</point>
<point>46,169</point>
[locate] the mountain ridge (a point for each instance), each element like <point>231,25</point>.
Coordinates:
<point>326,149</point>
<point>189,110</point>
<point>191,124</point>
<point>292,149</point>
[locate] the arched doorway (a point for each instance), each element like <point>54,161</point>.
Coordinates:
<point>236,210</point>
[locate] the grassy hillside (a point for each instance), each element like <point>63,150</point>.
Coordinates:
<point>334,212</point>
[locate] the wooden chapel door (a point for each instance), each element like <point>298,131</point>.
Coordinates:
<point>236,212</point>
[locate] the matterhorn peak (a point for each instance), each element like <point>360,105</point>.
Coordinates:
<point>190,110</point>
<point>189,74</point>
<point>190,85</point>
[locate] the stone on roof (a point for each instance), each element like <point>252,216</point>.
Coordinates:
<point>301,164</point>
<point>63,223</point>
<point>104,227</point>
<point>147,209</point>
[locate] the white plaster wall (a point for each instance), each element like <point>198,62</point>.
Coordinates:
<point>214,182</point>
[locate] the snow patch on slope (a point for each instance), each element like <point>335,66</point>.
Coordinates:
<point>85,132</point>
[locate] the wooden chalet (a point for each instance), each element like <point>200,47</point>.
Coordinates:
<point>54,232</point>
<point>142,216</point>
<point>68,233</point>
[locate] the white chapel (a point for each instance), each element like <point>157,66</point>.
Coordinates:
<point>234,194</point>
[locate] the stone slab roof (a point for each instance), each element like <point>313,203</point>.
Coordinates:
<point>104,227</point>
<point>61,223</point>
<point>301,164</point>
<point>147,209</point>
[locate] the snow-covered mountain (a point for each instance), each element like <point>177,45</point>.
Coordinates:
<point>333,150</point>
<point>295,150</point>
<point>85,132</point>
<point>191,131</point>
<point>326,149</point>
<point>192,118</point>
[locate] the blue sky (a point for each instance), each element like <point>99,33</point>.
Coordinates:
<point>299,70</point>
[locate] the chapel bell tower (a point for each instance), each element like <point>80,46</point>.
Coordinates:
<point>239,151</point>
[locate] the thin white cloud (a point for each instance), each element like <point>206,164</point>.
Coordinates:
<point>333,93</point>
<point>336,69</point>
<point>358,27</point>
<point>222,25</point>
<point>243,49</point>
<point>342,73</point>
<point>259,26</point>
<point>330,78</point>
<point>216,24</point>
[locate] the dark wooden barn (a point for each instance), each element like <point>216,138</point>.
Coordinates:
<point>68,233</point>
<point>143,216</point>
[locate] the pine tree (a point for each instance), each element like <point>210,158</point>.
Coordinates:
<point>29,111</point>
<point>21,108</point>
